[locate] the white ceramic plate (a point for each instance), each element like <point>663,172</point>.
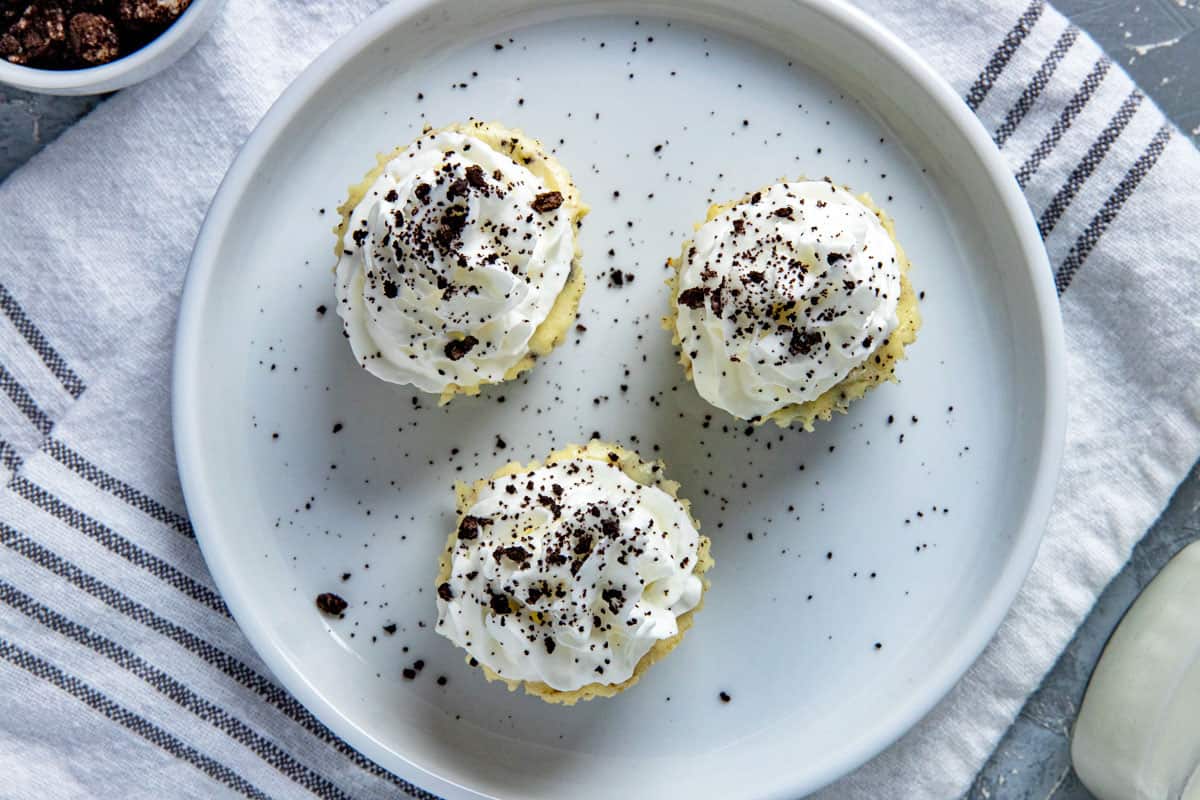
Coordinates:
<point>914,535</point>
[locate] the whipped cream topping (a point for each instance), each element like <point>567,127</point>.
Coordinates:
<point>568,574</point>
<point>783,294</point>
<point>451,260</point>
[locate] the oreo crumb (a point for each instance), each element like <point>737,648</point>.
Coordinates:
<point>457,348</point>
<point>331,604</point>
<point>547,201</point>
<point>692,298</point>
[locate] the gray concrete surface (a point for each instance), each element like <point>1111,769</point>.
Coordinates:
<point>30,121</point>
<point>1158,42</point>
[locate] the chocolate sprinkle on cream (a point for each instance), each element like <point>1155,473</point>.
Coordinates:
<point>578,573</point>
<point>469,527</point>
<point>446,273</point>
<point>692,298</point>
<point>457,348</point>
<point>547,201</point>
<point>803,286</point>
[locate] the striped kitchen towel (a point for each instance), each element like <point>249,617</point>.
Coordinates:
<point>121,668</point>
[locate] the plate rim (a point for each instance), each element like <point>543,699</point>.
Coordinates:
<point>893,724</point>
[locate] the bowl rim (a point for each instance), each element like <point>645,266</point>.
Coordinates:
<point>160,48</point>
<point>895,721</point>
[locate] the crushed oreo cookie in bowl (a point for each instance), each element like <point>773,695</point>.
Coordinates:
<point>95,46</point>
<point>70,34</point>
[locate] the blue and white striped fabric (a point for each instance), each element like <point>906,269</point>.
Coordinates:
<point>121,668</point>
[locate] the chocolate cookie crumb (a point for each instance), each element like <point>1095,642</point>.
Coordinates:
<point>725,697</point>
<point>547,201</point>
<point>475,176</point>
<point>499,604</point>
<point>151,12</point>
<point>93,38</point>
<point>469,527</point>
<point>802,342</point>
<point>38,34</point>
<point>457,348</point>
<point>331,604</point>
<point>692,298</point>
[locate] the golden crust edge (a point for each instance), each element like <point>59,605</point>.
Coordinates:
<point>639,470</point>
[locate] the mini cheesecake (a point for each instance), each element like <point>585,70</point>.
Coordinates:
<point>458,259</point>
<point>792,302</point>
<point>573,576</point>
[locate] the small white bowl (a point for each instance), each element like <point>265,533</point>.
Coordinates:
<point>139,65</point>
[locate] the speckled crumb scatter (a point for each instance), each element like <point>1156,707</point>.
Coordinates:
<point>368,466</point>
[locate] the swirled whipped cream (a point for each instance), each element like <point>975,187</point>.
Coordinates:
<point>783,294</point>
<point>453,257</point>
<point>568,574</point>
